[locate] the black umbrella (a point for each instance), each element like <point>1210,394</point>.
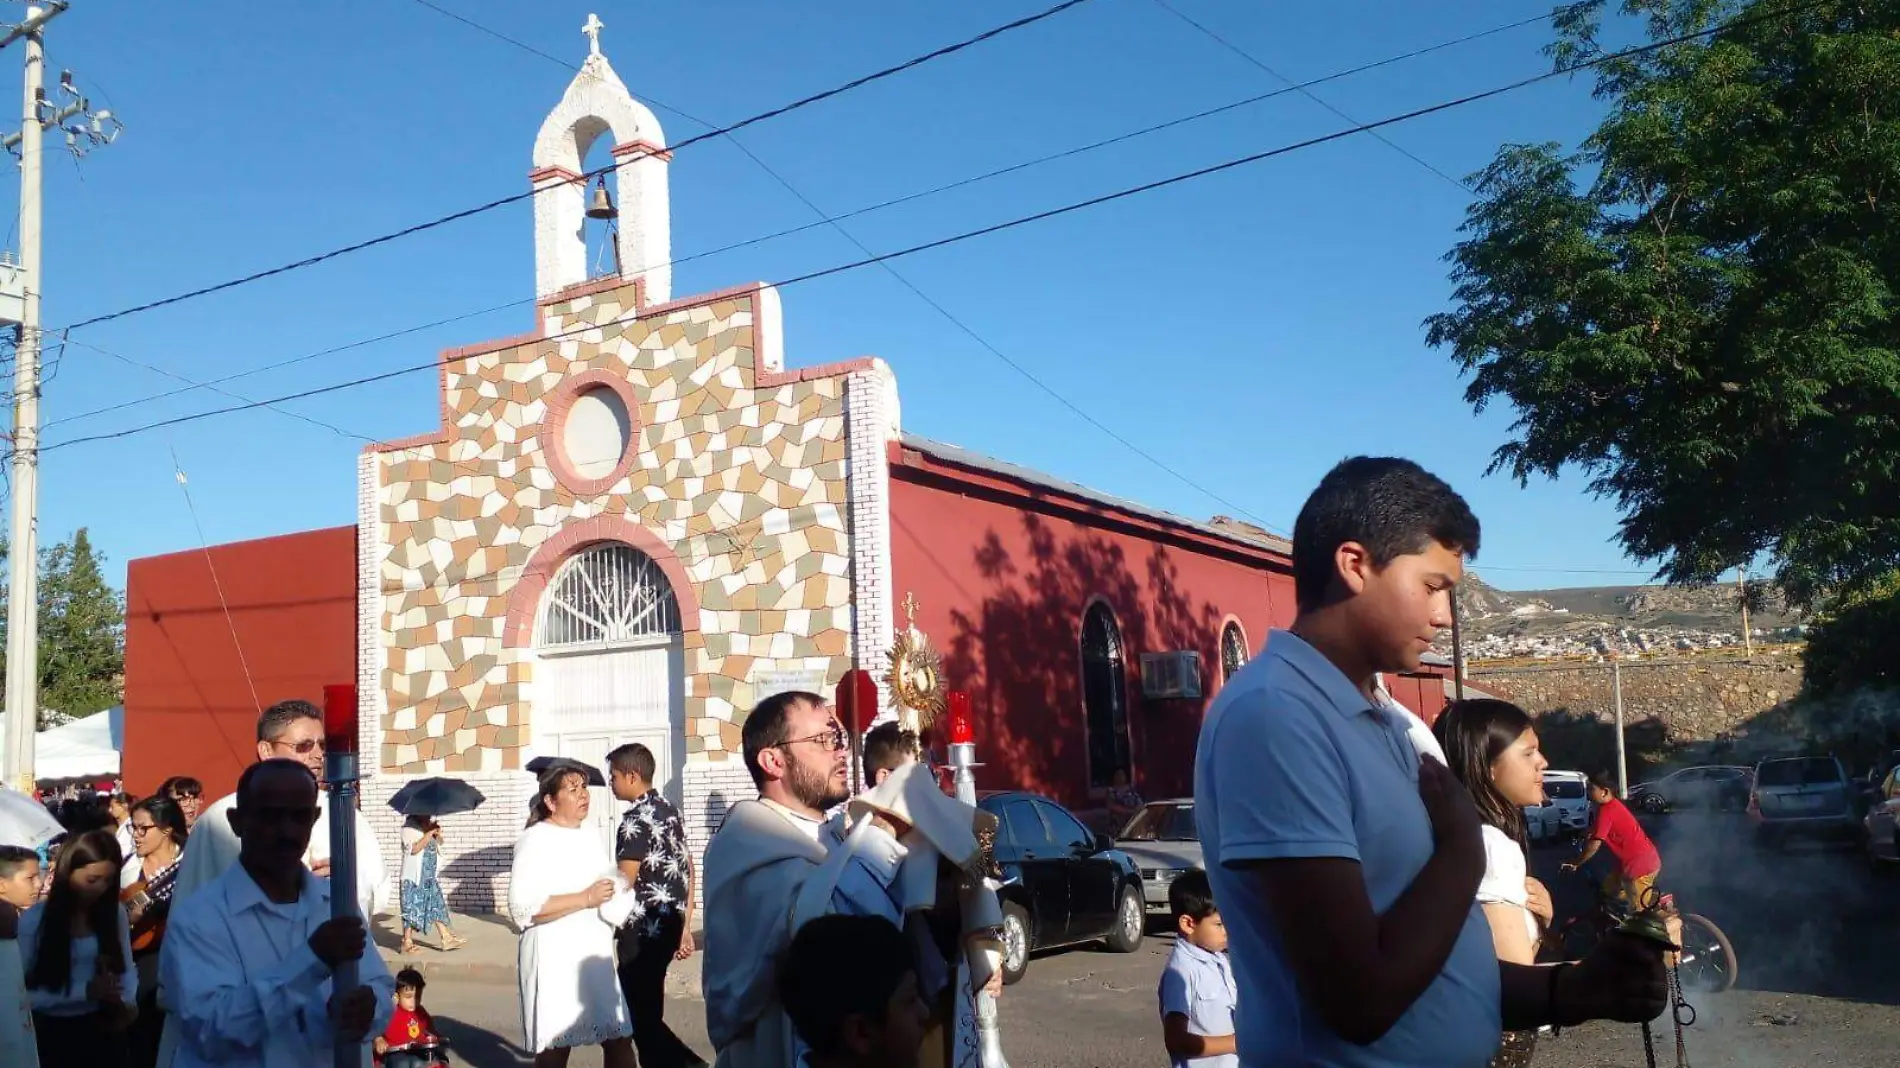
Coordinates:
<point>541,764</point>
<point>436,797</point>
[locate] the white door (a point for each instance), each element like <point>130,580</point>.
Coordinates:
<point>610,671</point>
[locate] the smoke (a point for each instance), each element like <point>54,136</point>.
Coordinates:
<point>1811,927</point>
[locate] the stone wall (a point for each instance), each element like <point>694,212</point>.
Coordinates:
<point>1667,704</point>
<point>736,469</point>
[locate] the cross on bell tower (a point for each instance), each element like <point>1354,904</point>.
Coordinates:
<point>592,30</point>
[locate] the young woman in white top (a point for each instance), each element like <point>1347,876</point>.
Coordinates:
<point>78,954</point>
<point>1491,747</point>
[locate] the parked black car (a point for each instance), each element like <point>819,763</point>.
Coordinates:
<point>1063,884</point>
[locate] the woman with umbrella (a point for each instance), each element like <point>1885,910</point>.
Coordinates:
<point>422,803</point>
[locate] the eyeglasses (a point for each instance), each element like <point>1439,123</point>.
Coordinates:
<point>833,739</point>
<point>303,748</point>
<point>140,828</point>
<point>185,795</point>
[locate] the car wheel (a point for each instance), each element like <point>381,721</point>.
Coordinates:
<point>1654,804</point>
<point>1131,920</point>
<point>1015,942</point>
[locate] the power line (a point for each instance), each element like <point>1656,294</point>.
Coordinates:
<point>1311,142</point>
<point>1051,213</point>
<point>184,486</point>
<point>827,220</point>
<point>466,213</point>
<point>1302,90</point>
<point>907,283</point>
<point>279,365</point>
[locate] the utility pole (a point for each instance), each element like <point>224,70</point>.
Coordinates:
<point>1748,636</point>
<point>1622,757</point>
<point>20,288</point>
<point>1457,649</point>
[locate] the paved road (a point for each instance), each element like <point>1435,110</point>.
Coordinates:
<point>1817,935</point>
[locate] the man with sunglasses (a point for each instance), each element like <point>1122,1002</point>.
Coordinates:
<point>759,860</point>
<point>287,730</point>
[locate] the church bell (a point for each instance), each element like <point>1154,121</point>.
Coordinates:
<point>602,206</point>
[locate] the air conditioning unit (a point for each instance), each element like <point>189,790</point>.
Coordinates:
<point>1168,676</point>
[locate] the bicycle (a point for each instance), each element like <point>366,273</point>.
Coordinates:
<point>1705,962</point>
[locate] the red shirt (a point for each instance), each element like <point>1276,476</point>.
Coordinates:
<point>406,1028</point>
<point>1618,830</point>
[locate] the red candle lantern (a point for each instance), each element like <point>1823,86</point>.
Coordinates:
<point>339,718</point>
<point>961,728</point>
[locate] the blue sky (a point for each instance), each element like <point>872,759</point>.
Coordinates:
<point>1248,329</point>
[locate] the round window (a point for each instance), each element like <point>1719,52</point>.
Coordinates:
<point>596,433</point>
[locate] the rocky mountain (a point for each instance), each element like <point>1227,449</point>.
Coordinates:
<point>1600,619</point>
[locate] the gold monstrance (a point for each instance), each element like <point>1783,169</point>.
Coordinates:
<point>915,678</point>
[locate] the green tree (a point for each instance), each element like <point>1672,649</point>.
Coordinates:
<point>82,630</point>
<point>1697,308</point>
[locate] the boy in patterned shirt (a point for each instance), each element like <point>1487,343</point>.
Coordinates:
<point>653,856</point>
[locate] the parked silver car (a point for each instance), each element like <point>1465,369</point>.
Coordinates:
<point>1801,796</point>
<point>1716,786</point>
<point>1162,840</point>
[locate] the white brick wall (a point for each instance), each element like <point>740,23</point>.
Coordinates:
<point>708,790</point>
<point>871,424</point>
<point>477,847</point>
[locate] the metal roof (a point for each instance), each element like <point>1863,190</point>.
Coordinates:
<point>977,461</point>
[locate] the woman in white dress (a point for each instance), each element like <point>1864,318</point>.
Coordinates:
<point>1491,747</point>
<point>562,874</point>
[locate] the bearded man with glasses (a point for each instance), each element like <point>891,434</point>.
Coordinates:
<point>756,863</point>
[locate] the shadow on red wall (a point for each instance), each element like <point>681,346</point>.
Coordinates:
<point>1014,645</point>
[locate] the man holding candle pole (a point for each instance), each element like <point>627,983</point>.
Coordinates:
<point>291,730</point>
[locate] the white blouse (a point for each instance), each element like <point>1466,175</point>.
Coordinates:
<point>411,860</point>
<point>1504,874</point>
<point>74,1001</point>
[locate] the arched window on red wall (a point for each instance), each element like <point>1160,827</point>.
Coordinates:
<point>1233,650</point>
<point>1104,694</point>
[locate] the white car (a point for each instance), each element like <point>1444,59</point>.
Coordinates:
<point>1536,828</point>
<point>1566,808</point>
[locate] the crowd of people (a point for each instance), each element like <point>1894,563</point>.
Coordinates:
<point>1365,901</point>
<point>157,931</point>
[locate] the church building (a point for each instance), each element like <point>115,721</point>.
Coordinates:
<point>641,516</point>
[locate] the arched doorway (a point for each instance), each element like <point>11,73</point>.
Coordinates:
<point>610,668</point>
<point>1104,694</point>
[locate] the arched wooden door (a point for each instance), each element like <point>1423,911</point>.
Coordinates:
<point>1104,694</point>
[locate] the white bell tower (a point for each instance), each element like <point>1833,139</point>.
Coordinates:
<point>597,103</point>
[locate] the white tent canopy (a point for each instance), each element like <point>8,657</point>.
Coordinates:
<point>82,749</point>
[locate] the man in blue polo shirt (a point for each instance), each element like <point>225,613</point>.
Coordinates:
<point>1347,867</point>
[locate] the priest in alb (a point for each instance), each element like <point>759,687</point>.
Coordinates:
<point>772,866</point>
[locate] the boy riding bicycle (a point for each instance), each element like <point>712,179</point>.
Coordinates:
<point>1637,861</point>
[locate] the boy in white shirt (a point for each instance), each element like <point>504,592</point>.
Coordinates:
<point>1197,989</point>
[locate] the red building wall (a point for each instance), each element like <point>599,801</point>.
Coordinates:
<point>1003,571</point>
<point>1002,578</point>
<point>191,701</point>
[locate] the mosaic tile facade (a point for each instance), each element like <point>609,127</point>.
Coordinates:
<point>738,484</point>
